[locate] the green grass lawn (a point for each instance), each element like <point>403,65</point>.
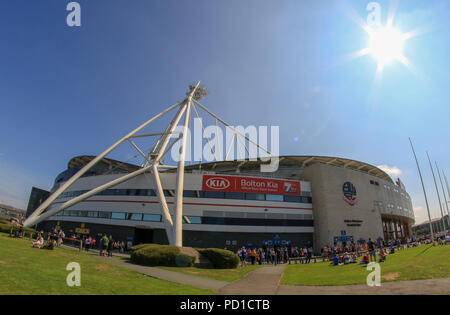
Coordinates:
<point>228,275</point>
<point>423,262</point>
<point>26,270</point>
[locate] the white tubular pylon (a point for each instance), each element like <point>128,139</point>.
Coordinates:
<point>32,220</point>
<point>173,223</point>
<point>178,223</point>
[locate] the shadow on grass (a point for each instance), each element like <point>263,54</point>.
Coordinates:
<point>422,252</point>
<point>129,261</point>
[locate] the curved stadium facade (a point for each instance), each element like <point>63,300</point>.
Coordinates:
<point>310,199</point>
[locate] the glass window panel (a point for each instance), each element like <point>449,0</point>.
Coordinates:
<point>92,214</point>
<point>250,196</point>
<point>234,195</point>
<point>134,216</point>
<point>215,194</point>
<point>189,194</point>
<point>292,198</point>
<point>152,217</point>
<point>131,192</point>
<point>118,215</point>
<point>145,192</point>
<point>274,197</point>
<point>169,193</point>
<point>192,220</point>
<point>104,215</point>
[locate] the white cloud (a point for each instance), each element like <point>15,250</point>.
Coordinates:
<point>393,171</point>
<point>420,214</point>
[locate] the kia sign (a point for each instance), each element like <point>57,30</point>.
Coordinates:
<point>217,183</point>
<point>251,185</point>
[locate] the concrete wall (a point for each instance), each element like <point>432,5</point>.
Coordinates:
<point>331,212</point>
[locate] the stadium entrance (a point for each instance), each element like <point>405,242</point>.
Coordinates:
<point>142,235</point>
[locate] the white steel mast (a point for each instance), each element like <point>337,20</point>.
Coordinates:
<point>152,164</point>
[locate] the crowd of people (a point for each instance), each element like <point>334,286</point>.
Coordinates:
<point>371,251</point>
<point>52,240</point>
<point>104,244</point>
<point>273,255</point>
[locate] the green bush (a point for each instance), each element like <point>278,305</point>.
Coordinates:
<point>137,247</point>
<point>6,228</point>
<point>183,260</point>
<point>159,255</point>
<point>220,258</point>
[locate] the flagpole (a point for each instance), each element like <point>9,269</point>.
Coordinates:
<point>446,184</point>
<point>443,191</point>
<point>424,192</point>
<point>437,192</point>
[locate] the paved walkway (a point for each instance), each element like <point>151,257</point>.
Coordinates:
<point>262,281</point>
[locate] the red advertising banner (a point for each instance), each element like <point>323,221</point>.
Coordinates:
<point>251,185</point>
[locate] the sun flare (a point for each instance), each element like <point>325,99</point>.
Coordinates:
<point>386,44</point>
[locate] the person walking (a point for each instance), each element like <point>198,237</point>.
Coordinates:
<point>104,242</point>
<point>310,253</point>
<point>110,246</point>
<point>371,249</point>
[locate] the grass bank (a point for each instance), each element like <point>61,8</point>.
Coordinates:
<point>26,270</point>
<point>423,262</point>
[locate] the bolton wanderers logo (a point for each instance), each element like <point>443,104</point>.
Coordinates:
<point>349,191</point>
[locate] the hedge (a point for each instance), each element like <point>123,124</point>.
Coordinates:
<point>6,228</point>
<point>183,260</point>
<point>220,258</point>
<point>160,255</point>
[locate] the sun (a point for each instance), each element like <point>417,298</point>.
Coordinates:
<point>386,45</point>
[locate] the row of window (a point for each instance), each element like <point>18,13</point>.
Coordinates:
<point>387,187</point>
<point>391,206</point>
<point>194,194</point>
<point>186,219</point>
<point>111,215</point>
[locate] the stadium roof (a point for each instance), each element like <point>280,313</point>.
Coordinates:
<point>82,160</point>
<point>287,160</point>
<point>303,161</point>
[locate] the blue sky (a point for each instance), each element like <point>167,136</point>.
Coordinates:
<point>71,91</point>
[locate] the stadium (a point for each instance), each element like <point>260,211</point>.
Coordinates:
<point>309,200</point>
